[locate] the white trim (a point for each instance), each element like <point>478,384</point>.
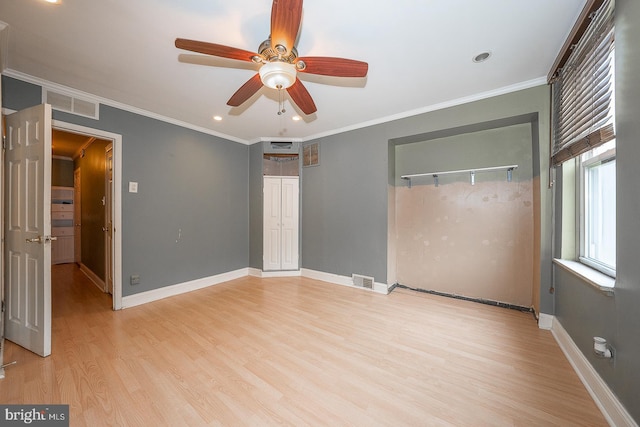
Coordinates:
<point>280,273</point>
<point>117,199</point>
<point>598,280</point>
<point>336,279</point>
<point>545,321</point>
<point>254,272</point>
<point>55,86</point>
<point>613,411</point>
<point>181,288</point>
<point>435,107</point>
<point>93,277</point>
<point>380,288</point>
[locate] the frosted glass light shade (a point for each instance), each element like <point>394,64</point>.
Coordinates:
<point>278,75</point>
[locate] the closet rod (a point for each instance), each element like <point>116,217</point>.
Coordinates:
<point>508,168</point>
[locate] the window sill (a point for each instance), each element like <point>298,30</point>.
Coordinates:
<point>600,281</point>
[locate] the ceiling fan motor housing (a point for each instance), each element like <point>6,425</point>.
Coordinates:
<point>277,53</point>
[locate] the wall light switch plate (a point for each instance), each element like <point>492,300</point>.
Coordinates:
<point>133,187</point>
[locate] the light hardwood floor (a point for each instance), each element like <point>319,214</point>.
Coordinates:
<point>297,352</point>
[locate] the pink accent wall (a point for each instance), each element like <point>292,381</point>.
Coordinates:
<point>470,240</point>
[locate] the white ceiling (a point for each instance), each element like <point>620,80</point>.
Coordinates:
<point>419,53</point>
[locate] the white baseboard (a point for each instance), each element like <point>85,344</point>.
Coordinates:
<point>93,277</point>
<point>181,288</point>
<point>545,321</point>
<point>380,288</point>
<point>280,273</point>
<point>336,279</point>
<point>614,412</point>
<point>254,272</point>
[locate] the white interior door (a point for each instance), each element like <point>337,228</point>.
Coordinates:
<point>280,223</point>
<point>272,234</point>
<point>28,229</point>
<point>289,224</point>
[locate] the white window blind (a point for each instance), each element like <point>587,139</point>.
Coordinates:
<point>583,90</point>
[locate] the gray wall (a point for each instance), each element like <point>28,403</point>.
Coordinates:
<point>188,181</point>
<point>504,145</point>
<point>583,311</point>
<point>344,206</point>
<point>255,206</point>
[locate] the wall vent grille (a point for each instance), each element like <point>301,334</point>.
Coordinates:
<point>362,281</point>
<point>70,103</point>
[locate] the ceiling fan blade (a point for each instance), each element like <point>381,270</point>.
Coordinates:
<point>302,98</point>
<point>215,49</point>
<point>338,67</point>
<point>285,23</point>
<point>246,91</point>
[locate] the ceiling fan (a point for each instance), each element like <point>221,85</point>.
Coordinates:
<point>279,59</point>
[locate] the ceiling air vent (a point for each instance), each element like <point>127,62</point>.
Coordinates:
<point>281,147</point>
<point>362,281</point>
<point>70,103</point>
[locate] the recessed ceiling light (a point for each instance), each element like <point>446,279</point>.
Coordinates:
<point>53,1</point>
<point>296,118</point>
<point>217,118</point>
<point>481,57</point>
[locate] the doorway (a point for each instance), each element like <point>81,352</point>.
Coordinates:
<point>95,159</point>
<point>80,225</point>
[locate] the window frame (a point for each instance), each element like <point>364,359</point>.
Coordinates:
<point>582,165</point>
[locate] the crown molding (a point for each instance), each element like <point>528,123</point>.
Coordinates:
<point>115,104</point>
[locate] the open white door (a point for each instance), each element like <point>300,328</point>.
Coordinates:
<point>28,229</point>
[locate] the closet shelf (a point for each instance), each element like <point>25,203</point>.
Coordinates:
<point>471,172</point>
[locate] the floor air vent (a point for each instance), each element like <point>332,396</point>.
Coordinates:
<point>362,281</point>
<point>70,103</point>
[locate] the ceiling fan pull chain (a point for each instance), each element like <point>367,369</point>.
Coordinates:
<point>281,109</point>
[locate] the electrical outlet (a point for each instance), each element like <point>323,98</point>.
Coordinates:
<point>135,279</point>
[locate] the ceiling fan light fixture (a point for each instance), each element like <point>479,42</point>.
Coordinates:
<point>278,75</point>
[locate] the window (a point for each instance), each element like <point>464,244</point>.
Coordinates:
<point>583,88</point>
<point>597,177</point>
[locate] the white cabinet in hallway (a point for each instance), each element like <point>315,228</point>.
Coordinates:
<point>280,250</point>
<point>62,212</point>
